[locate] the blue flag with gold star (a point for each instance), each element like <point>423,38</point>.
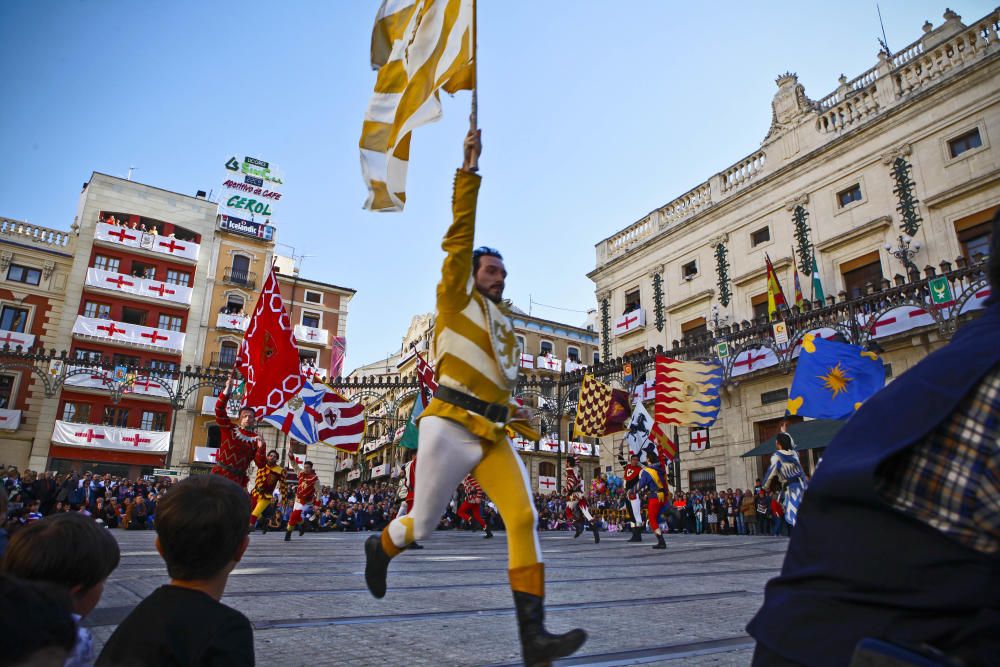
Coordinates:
<point>833,379</point>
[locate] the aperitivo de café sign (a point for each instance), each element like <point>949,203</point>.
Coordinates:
<point>250,189</point>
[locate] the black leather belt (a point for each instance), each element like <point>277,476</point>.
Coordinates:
<point>495,412</point>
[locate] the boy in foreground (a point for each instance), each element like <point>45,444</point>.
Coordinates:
<point>201,532</point>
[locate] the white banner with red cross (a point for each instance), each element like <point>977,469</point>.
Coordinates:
<point>205,454</point>
<point>15,339</point>
<point>546,484</point>
<point>548,363</point>
<point>99,378</point>
<point>136,238</point>
<point>122,332</point>
<point>752,360</point>
<point>899,320</point>
<point>96,436</point>
<point>10,420</point>
<point>146,287</point>
<point>630,321</point>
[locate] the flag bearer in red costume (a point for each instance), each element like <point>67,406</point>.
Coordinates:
<point>239,441</point>
<point>472,502</point>
<point>463,429</point>
<point>305,494</point>
<point>632,502</point>
<point>269,476</point>
<point>575,500</point>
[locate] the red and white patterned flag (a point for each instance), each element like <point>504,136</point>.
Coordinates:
<point>425,373</point>
<point>268,357</point>
<point>342,422</point>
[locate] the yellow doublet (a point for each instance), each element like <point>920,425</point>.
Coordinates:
<point>475,349</point>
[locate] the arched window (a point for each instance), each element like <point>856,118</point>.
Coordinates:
<point>545,348</point>
<point>239,272</point>
<point>573,354</point>
<point>546,469</point>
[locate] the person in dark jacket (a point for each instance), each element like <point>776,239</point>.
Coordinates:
<point>898,538</point>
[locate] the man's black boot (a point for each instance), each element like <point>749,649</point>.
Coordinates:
<point>660,543</point>
<point>636,534</point>
<point>489,533</point>
<point>288,535</point>
<point>539,647</point>
<point>597,534</point>
<point>579,529</point>
<point>376,566</point>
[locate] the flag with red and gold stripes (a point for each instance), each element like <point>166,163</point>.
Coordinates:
<point>687,392</point>
<point>418,47</point>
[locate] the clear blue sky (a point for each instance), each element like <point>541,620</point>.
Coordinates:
<point>593,113</point>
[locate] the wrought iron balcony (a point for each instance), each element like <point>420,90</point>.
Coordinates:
<point>223,360</point>
<point>246,279</point>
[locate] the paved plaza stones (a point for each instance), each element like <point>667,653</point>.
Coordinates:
<point>450,603</point>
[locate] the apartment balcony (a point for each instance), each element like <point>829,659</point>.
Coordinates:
<point>312,335</point>
<point>140,383</point>
<point>97,436</point>
<point>634,320</point>
<point>145,289</point>
<point>548,363</point>
<point>16,339</point>
<point>208,407</point>
<point>232,322</point>
<point>10,420</point>
<point>113,235</point>
<point>244,279</point>
<point>124,334</point>
<point>222,360</point>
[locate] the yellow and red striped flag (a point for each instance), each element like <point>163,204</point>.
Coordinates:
<point>418,48</point>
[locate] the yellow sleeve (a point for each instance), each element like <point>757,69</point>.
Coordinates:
<point>453,291</point>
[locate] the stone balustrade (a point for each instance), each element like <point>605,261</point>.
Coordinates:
<point>743,172</point>
<point>856,107</point>
<point>933,62</point>
<point>21,232</point>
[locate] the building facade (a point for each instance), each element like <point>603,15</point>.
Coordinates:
<point>134,300</point>
<point>882,181</point>
<point>35,266</point>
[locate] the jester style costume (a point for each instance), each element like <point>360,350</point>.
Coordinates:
<point>464,429</point>
<point>631,500</point>
<point>575,500</point>
<point>653,480</point>
<point>237,447</point>
<point>786,470</point>
<point>305,494</point>
<point>268,477</point>
<point>472,503</point>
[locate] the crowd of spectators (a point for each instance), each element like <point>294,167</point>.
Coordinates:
<point>131,505</point>
<point>115,501</point>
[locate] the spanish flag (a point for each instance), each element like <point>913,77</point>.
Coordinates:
<point>775,295</point>
<point>418,48</point>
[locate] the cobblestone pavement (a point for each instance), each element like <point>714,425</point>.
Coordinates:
<point>450,603</point>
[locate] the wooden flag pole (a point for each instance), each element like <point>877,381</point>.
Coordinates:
<point>474,114</point>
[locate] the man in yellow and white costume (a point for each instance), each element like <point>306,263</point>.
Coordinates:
<point>463,429</point>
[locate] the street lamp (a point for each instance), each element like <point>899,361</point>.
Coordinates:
<point>905,252</point>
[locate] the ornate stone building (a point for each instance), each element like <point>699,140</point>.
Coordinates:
<point>885,181</point>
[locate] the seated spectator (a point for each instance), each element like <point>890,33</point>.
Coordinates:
<point>37,623</point>
<point>202,530</point>
<point>73,552</point>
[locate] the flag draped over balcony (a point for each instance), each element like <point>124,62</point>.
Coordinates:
<point>418,48</point>
<point>268,358</point>
<point>775,295</point>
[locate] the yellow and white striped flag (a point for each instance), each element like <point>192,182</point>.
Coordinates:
<point>418,47</point>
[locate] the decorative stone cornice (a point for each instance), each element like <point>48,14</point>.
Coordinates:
<point>901,151</point>
<point>716,241</point>
<point>801,200</point>
<point>656,270</point>
<point>602,295</point>
<point>691,300</point>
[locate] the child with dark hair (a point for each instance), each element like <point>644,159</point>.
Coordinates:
<point>202,531</point>
<point>73,552</point>
<point>36,619</point>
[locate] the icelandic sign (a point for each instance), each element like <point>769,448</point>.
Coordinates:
<point>246,227</point>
